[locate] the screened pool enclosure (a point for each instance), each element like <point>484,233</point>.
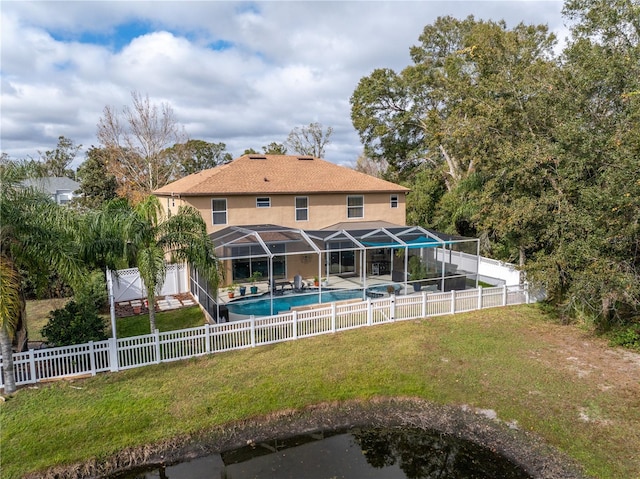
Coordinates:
<point>281,261</point>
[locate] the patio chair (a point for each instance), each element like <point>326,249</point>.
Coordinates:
<point>298,284</point>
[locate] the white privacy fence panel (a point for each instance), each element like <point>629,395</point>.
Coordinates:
<point>492,268</point>
<point>464,261</point>
<point>126,353</point>
<point>487,268</point>
<point>128,285</point>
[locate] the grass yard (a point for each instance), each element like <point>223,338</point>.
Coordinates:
<point>182,318</point>
<point>190,317</point>
<point>555,381</point>
<point>38,315</point>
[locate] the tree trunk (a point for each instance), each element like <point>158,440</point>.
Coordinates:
<point>151,300</point>
<point>521,263</point>
<point>7,361</point>
<point>607,312</point>
<point>21,335</point>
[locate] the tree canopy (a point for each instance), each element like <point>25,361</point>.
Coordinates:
<point>197,155</point>
<point>97,184</point>
<point>308,140</point>
<point>57,162</point>
<point>137,138</point>
<point>37,236</point>
<point>535,153</point>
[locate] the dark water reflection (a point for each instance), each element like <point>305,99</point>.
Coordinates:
<point>368,453</point>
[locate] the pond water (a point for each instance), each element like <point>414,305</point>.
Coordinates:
<point>367,453</point>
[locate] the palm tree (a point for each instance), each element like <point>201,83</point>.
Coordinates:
<point>37,237</point>
<point>10,305</point>
<point>153,237</point>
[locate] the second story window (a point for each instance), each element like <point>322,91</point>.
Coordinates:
<point>302,208</point>
<point>219,211</point>
<point>355,206</point>
<point>263,202</point>
<point>394,201</point>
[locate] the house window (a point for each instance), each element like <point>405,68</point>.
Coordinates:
<point>250,259</point>
<point>355,206</point>
<point>394,201</point>
<point>264,202</point>
<point>302,208</point>
<point>219,211</point>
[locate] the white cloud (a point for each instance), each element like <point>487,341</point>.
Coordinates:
<point>273,65</point>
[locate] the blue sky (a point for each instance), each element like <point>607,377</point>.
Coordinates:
<point>241,73</point>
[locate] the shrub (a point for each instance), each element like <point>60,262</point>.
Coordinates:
<point>627,337</point>
<point>76,323</point>
<point>93,291</point>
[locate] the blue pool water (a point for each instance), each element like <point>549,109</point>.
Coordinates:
<point>262,306</point>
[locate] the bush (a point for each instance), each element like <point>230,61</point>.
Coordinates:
<point>76,323</point>
<point>93,291</point>
<point>627,337</point>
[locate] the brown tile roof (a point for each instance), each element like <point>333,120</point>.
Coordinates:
<point>361,225</point>
<point>277,174</point>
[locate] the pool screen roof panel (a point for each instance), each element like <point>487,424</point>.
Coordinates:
<point>230,241</point>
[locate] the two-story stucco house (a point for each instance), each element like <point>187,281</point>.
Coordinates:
<point>295,191</point>
<point>287,216</point>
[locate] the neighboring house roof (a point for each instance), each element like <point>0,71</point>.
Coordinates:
<point>277,174</point>
<point>52,184</point>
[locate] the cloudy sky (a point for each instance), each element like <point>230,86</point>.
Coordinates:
<point>242,73</point>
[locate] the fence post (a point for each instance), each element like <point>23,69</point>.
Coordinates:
<point>369,312</point>
<point>295,325</point>
<point>92,358</point>
<point>113,355</point>
<point>392,307</point>
<point>504,295</point>
<point>526,292</point>
<point>32,367</point>
<point>207,338</point>
<point>479,297</point>
<point>253,331</point>
<point>424,304</point>
<point>453,301</point>
<point>333,317</point>
<point>156,337</point>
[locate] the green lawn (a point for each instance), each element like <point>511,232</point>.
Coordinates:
<point>512,360</point>
<point>182,318</point>
<point>38,315</point>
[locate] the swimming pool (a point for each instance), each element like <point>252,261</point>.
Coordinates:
<point>262,306</point>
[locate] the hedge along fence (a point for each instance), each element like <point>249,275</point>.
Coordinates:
<point>114,354</point>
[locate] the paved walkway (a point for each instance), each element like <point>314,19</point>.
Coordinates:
<point>163,303</point>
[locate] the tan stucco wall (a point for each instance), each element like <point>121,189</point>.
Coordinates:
<point>324,210</point>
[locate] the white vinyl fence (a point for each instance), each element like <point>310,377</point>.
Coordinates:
<point>128,285</point>
<point>118,354</point>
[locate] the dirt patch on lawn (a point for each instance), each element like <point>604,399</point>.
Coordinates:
<point>478,426</point>
<point>591,358</point>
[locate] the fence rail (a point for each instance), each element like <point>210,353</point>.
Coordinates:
<point>119,354</point>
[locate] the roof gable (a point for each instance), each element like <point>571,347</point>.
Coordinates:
<point>277,174</point>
